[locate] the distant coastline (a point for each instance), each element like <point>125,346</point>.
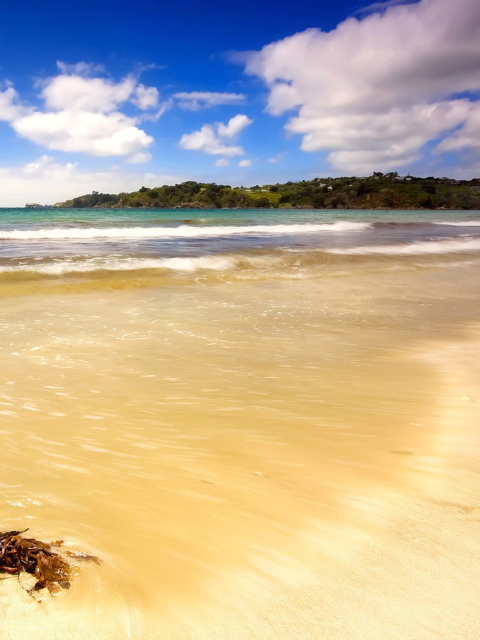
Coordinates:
<point>379,191</point>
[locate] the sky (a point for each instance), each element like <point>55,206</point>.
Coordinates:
<point>110,96</point>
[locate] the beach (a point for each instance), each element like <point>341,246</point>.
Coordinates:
<point>262,423</point>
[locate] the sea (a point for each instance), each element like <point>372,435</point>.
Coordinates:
<point>215,402</point>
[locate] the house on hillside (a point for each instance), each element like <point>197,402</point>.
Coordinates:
<point>446,180</point>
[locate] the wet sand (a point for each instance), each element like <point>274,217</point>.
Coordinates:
<point>415,576</point>
<point>339,503</point>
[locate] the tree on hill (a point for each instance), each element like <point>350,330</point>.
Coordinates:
<point>374,192</point>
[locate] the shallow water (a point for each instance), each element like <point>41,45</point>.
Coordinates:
<point>212,433</point>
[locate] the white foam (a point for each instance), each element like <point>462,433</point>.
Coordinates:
<point>184,231</point>
<point>217,263</point>
<point>415,248</point>
<point>463,223</point>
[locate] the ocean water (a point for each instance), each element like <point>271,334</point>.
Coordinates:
<point>213,402</point>
<point>69,242</point>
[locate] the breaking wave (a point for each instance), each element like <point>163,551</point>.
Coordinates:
<point>63,267</point>
<point>184,231</point>
<point>463,223</point>
<point>415,248</point>
<point>278,263</point>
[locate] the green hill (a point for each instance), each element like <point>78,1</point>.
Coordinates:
<point>379,191</point>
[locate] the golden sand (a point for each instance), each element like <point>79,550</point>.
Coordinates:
<point>284,459</point>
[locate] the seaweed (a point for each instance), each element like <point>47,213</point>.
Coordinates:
<point>18,554</point>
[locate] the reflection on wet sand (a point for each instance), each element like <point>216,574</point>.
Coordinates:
<point>213,442</point>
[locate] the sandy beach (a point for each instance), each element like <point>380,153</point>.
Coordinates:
<point>260,443</point>
<point>411,574</point>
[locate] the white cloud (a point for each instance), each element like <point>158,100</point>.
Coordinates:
<point>76,93</point>
<point>97,134</point>
<point>245,163</point>
<point>82,114</point>
<point>145,97</point>
<point>153,117</point>
<point>210,138</point>
<point>206,140</point>
<point>234,126</point>
<point>80,68</point>
<point>196,100</point>
<point>223,162</point>
<point>467,136</point>
<point>374,91</point>
<point>10,108</point>
<point>46,181</point>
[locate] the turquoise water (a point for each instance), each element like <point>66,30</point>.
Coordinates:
<point>17,216</point>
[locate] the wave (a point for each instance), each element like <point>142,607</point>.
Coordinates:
<point>285,259</point>
<point>184,231</point>
<point>415,248</point>
<point>63,267</point>
<point>463,223</point>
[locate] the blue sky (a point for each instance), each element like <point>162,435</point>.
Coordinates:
<point>112,95</point>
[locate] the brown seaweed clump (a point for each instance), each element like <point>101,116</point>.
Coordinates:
<point>19,554</point>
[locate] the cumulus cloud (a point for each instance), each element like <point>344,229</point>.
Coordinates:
<point>374,91</point>
<point>195,100</point>
<point>97,134</point>
<point>234,126</point>
<point>222,162</point>
<point>47,181</point>
<point>10,107</point>
<point>207,140</point>
<point>145,97</point>
<point>82,114</point>
<point>77,93</point>
<point>211,138</point>
<point>245,163</point>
